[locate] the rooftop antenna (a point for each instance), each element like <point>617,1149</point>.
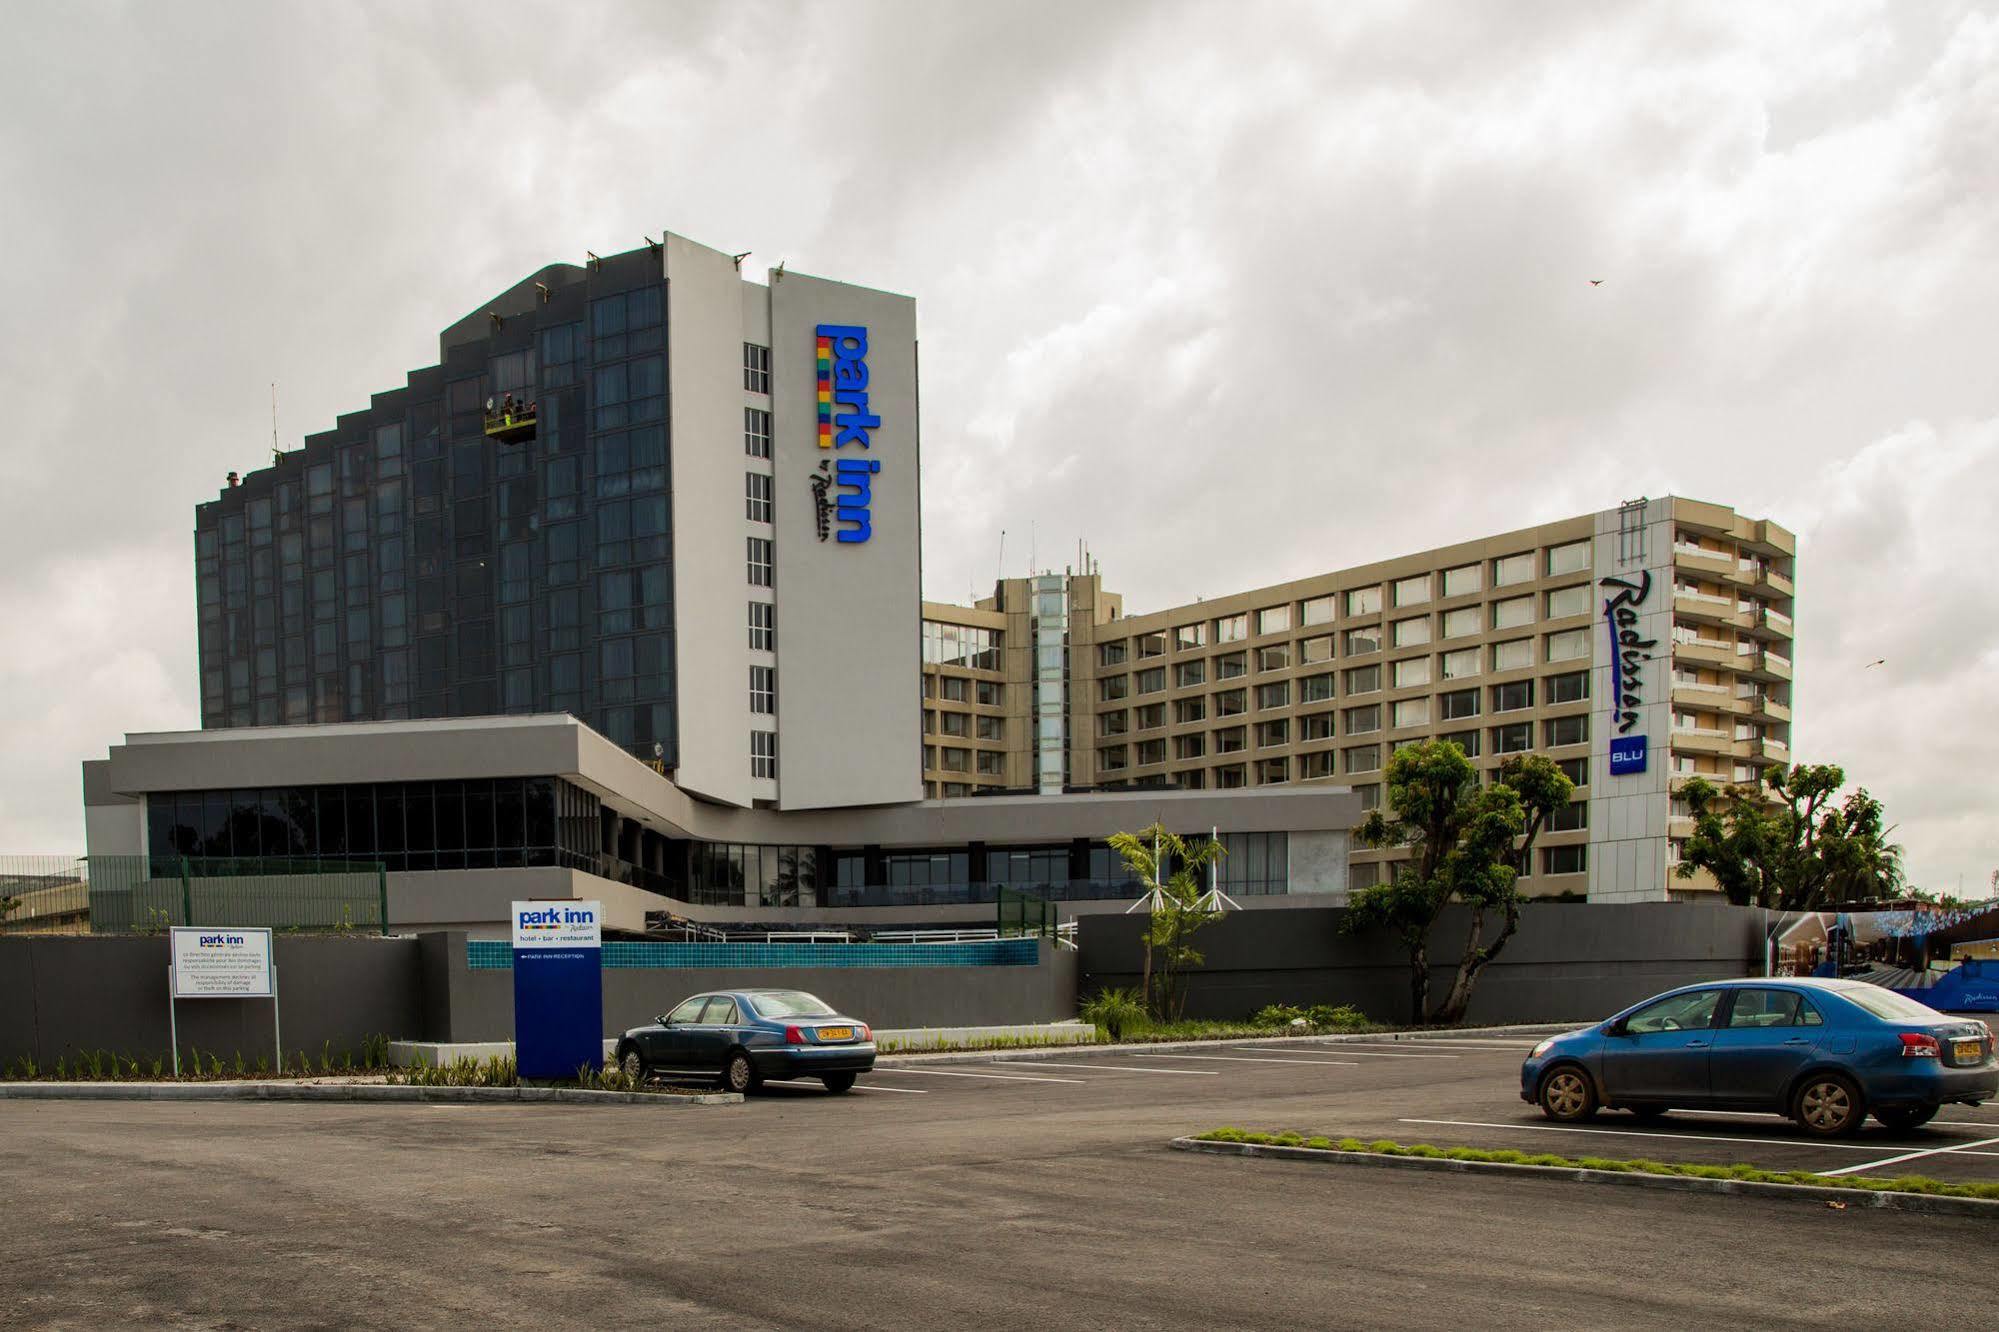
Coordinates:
<point>594,260</point>
<point>651,244</point>
<point>277,453</point>
<point>777,272</point>
<point>1030,549</point>
<point>999,573</point>
<point>546,294</point>
<point>738,258</point>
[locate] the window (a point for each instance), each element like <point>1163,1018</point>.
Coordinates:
<point>1190,710</point>
<point>951,723</point>
<point>1513,697</point>
<point>1569,645</point>
<point>1150,717</point>
<point>1272,771</point>
<point>1316,610</point>
<point>1462,621</point>
<point>1363,679</point>
<point>1461,664</point>
<point>1274,658</point>
<point>1570,688</point>
<point>760,562</point>
<point>1230,703</point>
<point>1276,695</point>
<point>756,368</point>
<point>1315,688</point>
<point>1411,712</point>
<point>1693,1011</point>
<point>1273,733</point>
<point>1457,704</point>
<point>1464,740</point>
<point>1316,726</point>
<point>1152,680</point>
<point>1152,645</point>
<point>1412,591</point>
<point>756,496</point>
<point>763,626</point>
<point>1312,650</point>
<point>1190,747</point>
<point>1364,601</point>
<point>1230,778</point>
<point>1576,770</point>
<point>1363,641</point>
<point>1566,730</point>
<point>1315,765</point>
<point>1566,601</point>
<point>1188,673</point>
<point>1572,558</point>
<point>1187,637</point>
<point>1229,740</point>
<point>1275,620</point>
<point>1412,633</point>
<point>1513,738</point>
<point>1463,580</point>
<point>1113,723</point>
<point>1364,758</point>
<point>1412,671</point>
<point>989,693</point>
<point>1572,817</point>
<point>990,762</point>
<point>1772,1008</point>
<point>763,744</point>
<point>763,689</point>
<point>1111,688</point>
<point>1232,628</point>
<point>1513,654</point>
<point>1362,720</point>
<point>1230,665</point>
<point>1510,569</point>
<point>952,689</point>
<point>756,432</point>
<point>1512,612</point>
<point>1151,752</point>
<point>1112,654</point>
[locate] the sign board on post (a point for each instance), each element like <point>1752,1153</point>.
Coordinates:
<point>558,987</point>
<point>221,962</point>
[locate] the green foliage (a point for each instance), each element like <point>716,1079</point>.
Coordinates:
<point>1466,841</point>
<point>1790,843</point>
<point>1634,1166</point>
<point>1319,1017</point>
<point>465,1071</point>
<point>8,906</point>
<point>1114,1012</point>
<point>1177,913</point>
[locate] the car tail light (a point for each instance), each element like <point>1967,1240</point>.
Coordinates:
<point>796,1036</point>
<point>1920,1045</point>
<point>867,1032</point>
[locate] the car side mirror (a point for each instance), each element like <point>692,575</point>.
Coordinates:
<point>663,1020</point>
<point>1615,1029</point>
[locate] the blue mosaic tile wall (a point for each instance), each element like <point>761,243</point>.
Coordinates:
<point>498,955</point>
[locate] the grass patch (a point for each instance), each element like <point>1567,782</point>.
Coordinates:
<point>1752,1174</point>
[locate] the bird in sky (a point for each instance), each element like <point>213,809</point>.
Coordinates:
<point>1596,282</point>
<point>1879,661</point>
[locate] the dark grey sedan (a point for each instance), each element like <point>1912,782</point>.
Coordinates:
<point>745,1036</point>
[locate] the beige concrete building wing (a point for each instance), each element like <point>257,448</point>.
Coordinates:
<point>1498,644</point>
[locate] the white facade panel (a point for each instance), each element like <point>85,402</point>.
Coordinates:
<point>1631,701</point>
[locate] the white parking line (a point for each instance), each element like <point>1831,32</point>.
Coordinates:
<point>1965,1150</point>
<point>994,1077</point>
<point>810,1082</point>
<point>1244,1059</point>
<point>1682,1137</point>
<point>1475,1047</point>
<point>1343,1049</point>
<point>1111,1068</point>
<point>1767,1117</point>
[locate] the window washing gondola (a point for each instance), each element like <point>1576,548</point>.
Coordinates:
<point>511,420</point>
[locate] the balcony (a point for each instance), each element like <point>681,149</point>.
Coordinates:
<point>1767,665</point>
<point>1698,559</point>
<point>1766,709</point>
<point>1704,652</point>
<point>1708,698</point>
<point>1704,607</point>
<point>1701,740</point>
<point>1769,750</point>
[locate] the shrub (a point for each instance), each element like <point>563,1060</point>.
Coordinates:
<point>1319,1017</point>
<point>1115,1012</point>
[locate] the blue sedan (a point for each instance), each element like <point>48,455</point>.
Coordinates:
<point>745,1036</point>
<point>1823,1052</point>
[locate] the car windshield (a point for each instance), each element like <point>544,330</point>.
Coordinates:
<point>1887,1005</point>
<point>789,1003</point>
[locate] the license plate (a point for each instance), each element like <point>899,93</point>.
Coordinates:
<point>1967,1052</point>
<point>836,1033</point>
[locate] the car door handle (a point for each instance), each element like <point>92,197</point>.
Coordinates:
<point>1695,1045</point>
<point>1798,1040</point>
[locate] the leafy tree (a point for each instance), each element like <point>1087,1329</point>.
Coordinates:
<point>8,906</point>
<point>1468,841</point>
<point>1791,843</point>
<point>1177,914</point>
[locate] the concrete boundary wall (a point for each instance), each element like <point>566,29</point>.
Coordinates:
<point>1567,960</point>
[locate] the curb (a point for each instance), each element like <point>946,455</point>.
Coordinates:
<point>1926,1204</point>
<point>367,1093</point>
<point>1147,1047</point>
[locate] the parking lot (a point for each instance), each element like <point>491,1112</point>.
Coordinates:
<point>978,1195</point>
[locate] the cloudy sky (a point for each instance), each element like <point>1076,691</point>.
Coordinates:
<point>1236,292</point>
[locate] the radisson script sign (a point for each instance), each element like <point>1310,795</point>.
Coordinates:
<point>1628,654</point>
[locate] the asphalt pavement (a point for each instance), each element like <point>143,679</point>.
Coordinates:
<point>993,1195</point>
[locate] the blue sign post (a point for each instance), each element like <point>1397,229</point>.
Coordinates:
<point>558,988</point>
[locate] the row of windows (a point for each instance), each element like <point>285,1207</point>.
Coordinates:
<point>961,645</point>
<point>958,689</point>
<point>1568,687</point>
<point>1512,738</point>
<point>1514,654</point>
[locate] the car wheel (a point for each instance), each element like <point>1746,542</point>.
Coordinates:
<point>1828,1105</point>
<point>739,1074</point>
<point>634,1067</point>
<point>1647,1111</point>
<point>838,1082</point>
<point>1902,1118</point>
<point>1566,1094</point>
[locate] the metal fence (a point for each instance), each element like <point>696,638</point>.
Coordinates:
<point>147,894</point>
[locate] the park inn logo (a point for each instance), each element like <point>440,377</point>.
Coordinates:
<point>843,487</point>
